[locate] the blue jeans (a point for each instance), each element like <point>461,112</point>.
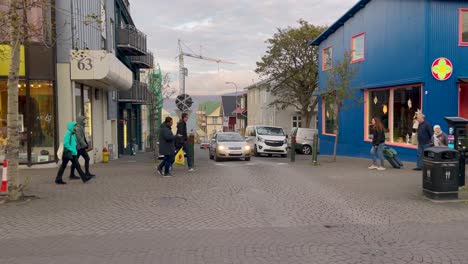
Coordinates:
<point>167,163</point>
<point>419,162</point>
<point>377,153</point>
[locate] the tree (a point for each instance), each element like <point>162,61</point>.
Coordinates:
<point>291,66</point>
<point>338,91</point>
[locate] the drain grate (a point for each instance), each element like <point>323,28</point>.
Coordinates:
<point>171,201</point>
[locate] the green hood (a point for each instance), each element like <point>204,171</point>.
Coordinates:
<point>80,120</point>
<point>71,126</point>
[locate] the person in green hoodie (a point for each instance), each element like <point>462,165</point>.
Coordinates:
<point>82,146</point>
<point>70,154</point>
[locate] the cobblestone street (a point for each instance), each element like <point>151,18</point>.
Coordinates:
<point>263,211</point>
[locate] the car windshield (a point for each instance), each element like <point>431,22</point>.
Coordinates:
<point>270,131</point>
<point>231,137</point>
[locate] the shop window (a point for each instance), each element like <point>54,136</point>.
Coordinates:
<point>357,48</point>
<point>41,108</point>
<point>296,121</point>
<point>397,108</point>
<point>83,107</point>
<point>327,58</point>
<point>330,117</point>
<point>378,106</point>
<point>463,27</point>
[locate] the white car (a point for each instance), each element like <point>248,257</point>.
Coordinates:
<point>229,145</point>
<point>267,140</point>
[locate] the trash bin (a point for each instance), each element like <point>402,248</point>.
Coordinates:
<point>440,173</point>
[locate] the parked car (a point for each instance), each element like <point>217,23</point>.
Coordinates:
<point>304,139</point>
<point>268,140</point>
<point>228,145</point>
<point>204,145</point>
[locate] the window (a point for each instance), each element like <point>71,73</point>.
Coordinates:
<point>214,120</point>
<point>296,121</point>
<point>327,58</point>
<point>396,107</point>
<point>463,27</point>
<point>329,116</point>
<point>357,48</point>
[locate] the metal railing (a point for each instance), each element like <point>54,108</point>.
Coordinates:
<point>143,62</point>
<point>131,41</point>
<point>139,94</point>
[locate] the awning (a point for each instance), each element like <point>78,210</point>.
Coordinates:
<point>101,69</point>
<point>239,110</point>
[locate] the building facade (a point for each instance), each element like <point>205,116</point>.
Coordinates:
<point>210,118</point>
<point>411,56</point>
<point>261,112</point>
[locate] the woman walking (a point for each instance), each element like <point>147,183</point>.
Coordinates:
<point>378,143</point>
<point>70,154</point>
<point>440,138</point>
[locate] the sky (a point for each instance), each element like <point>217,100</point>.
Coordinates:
<point>230,30</point>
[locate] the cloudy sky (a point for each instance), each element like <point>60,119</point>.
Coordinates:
<point>232,30</point>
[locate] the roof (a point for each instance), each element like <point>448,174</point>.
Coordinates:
<point>229,103</point>
<point>209,107</point>
<point>340,22</point>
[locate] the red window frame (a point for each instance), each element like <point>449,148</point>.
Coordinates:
<point>461,12</point>
<point>323,58</point>
<point>363,34</point>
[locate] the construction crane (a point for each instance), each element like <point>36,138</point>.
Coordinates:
<point>183,72</point>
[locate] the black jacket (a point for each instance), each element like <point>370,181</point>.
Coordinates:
<point>378,137</point>
<point>181,130</point>
<point>166,140</point>
<point>425,133</point>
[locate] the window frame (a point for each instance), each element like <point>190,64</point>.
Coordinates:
<point>391,90</point>
<point>324,121</point>
<point>460,26</point>
<point>296,119</point>
<point>323,58</point>
<point>363,34</point>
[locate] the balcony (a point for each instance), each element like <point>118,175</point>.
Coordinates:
<point>131,41</point>
<point>143,62</point>
<point>139,94</point>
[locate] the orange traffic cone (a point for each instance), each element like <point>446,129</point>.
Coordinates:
<point>4,187</point>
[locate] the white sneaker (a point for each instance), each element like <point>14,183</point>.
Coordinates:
<point>381,168</point>
<point>191,169</point>
<point>373,167</point>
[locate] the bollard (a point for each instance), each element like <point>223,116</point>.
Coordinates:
<point>293,149</point>
<point>4,187</point>
<point>191,149</point>
<point>315,150</point>
<point>105,155</point>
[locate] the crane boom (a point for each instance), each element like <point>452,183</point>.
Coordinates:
<point>183,70</point>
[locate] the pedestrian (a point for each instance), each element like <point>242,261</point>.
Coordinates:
<point>166,147</point>
<point>83,148</point>
<point>70,153</point>
<point>378,143</point>
<point>440,138</point>
<point>182,140</point>
<point>425,134</point>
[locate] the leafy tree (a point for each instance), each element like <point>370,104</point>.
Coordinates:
<point>291,66</point>
<point>338,90</point>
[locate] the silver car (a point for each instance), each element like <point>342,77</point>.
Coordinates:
<point>229,145</point>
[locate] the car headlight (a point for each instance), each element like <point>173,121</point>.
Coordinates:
<point>247,148</point>
<point>285,141</point>
<point>221,147</point>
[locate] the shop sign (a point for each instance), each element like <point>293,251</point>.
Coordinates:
<point>442,69</point>
<point>5,54</point>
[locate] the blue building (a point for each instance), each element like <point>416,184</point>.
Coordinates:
<point>411,56</point>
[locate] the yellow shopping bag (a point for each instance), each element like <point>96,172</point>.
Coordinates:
<point>180,158</point>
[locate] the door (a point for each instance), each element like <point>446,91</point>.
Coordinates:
<point>463,100</point>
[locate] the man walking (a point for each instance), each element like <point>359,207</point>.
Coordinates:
<point>425,134</point>
<point>166,147</point>
<point>82,147</point>
<point>182,142</point>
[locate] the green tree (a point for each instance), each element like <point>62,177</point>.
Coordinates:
<point>338,90</point>
<point>291,66</point>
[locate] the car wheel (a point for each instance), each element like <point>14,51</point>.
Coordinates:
<point>216,158</point>
<point>256,154</point>
<point>247,159</point>
<point>306,150</point>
